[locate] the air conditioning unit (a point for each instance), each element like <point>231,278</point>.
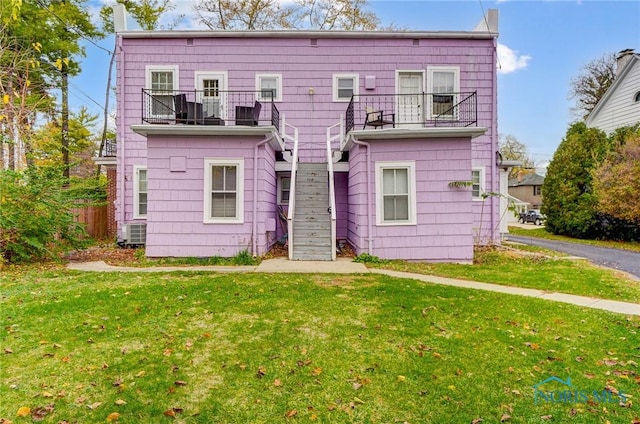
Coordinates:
<point>134,234</point>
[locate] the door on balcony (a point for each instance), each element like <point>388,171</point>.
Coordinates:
<point>410,107</point>
<point>211,92</point>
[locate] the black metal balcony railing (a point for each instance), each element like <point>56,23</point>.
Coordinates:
<point>109,149</point>
<point>371,111</point>
<point>210,107</point>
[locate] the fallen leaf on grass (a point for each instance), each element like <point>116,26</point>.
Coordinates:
<point>94,405</point>
<point>141,374</point>
<point>316,371</point>
<point>23,411</point>
<point>277,382</point>
<point>5,421</point>
<point>546,417</point>
<point>38,414</point>
<point>532,346</point>
<point>477,421</point>
<point>172,412</point>
<point>114,416</point>
<point>180,383</point>
<point>262,371</point>
<point>505,417</point>
<point>291,413</point>
<point>7,350</point>
<point>120,402</point>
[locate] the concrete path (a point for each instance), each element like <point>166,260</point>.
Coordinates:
<point>346,266</point>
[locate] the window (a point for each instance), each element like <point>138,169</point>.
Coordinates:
<point>269,87</point>
<point>537,190</point>
<point>139,192</point>
<point>636,98</point>
<point>162,81</point>
<point>477,183</point>
<point>224,196</point>
<point>395,193</point>
<point>344,87</point>
<point>284,189</point>
<point>443,83</point>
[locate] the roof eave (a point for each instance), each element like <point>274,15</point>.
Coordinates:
<point>592,116</point>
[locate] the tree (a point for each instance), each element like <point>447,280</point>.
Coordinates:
<point>592,82</point>
<point>44,34</point>
<point>512,149</point>
<point>616,181</point>
<point>276,14</point>
<point>147,13</point>
<point>569,200</point>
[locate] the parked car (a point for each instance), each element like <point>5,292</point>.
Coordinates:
<point>533,216</point>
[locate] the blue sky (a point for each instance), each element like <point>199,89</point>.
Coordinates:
<point>543,45</point>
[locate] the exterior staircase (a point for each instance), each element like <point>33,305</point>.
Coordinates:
<point>312,218</point>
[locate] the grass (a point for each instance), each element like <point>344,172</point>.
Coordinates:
<point>544,234</point>
<point>257,348</point>
<point>534,270</point>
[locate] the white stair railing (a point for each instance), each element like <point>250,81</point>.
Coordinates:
<point>332,190</point>
<point>292,187</point>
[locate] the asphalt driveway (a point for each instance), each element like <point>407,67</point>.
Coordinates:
<point>623,260</point>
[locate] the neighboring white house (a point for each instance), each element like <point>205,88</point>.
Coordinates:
<point>620,105</point>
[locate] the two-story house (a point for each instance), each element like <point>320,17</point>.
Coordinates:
<point>384,140</point>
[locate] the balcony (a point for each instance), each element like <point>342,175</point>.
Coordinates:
<point>210,107</point>
<point>411,111</point>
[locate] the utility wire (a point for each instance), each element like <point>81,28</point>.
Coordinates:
<point>71,27</point>
<point>484,17</point>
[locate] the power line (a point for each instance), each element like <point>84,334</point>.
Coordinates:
<point>71,27</point>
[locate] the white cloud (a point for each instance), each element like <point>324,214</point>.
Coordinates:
<point>510,61</point>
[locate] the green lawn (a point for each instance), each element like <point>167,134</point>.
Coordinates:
<point>536,270</point>
<point>253,348</point>
<point>543,233</point>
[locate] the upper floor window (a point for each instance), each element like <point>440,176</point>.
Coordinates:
<point>395,193</point>
<point>162,81</point>
<point>269,87</point>
<point>345,86</point>
<point>224,191</point>
<point>637,97</point>
<point>537,190</point>
<point>444,83</point>
<point>139,192</point>
<point>477,183</point>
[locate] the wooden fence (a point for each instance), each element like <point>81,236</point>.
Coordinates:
<point>94,219</point>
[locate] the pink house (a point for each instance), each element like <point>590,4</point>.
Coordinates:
<point>231,140</point>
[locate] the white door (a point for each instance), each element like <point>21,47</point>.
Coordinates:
<point>410,107</point>
<point>211,92</point>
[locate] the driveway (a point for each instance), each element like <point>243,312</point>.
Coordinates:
<point>623,260</point>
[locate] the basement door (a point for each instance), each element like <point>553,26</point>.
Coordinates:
<point>410,107</point>
<point>211,92</point>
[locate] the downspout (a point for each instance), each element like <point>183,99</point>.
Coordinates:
<point>121,128</point>
<point>369,206</point>
<point>494,144</point>
<point>254,228</point>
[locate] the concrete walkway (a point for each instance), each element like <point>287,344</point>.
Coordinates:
<point>347,266</point>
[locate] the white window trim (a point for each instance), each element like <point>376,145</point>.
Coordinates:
<point>136,192</point>
<point>356,87</point>
<point>456,83</point>
<point>411,174</point>
<point>148,69</point>
<point>482,182</point>
<point>280,177</point>
<point>239,218</point>
<point>200,75</point>
<point>278,78</point>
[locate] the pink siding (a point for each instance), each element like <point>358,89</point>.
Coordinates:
<point>444,215</point>
<point>447,217</point>
<point>176,198</point>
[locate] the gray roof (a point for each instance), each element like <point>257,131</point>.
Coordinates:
<point>527,180</point>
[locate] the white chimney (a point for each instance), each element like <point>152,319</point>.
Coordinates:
<point>623,58</point>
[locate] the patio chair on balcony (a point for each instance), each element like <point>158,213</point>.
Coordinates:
<point>378,119</point>
<point>248,115</point>
<point>192,112</point>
